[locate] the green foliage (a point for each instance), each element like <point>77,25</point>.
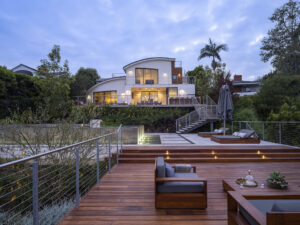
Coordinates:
<point>276,178</point>
<point>212,50</point>
<point>286,113</point>
<point>282,46</point>
<point>152,118</point>
<point>84,79</point>
<point>55,82</point>
<point>245,114</point>
<point>276,91</point>
<point>18,92</point>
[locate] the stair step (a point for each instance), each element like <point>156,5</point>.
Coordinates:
<point>211,160</point>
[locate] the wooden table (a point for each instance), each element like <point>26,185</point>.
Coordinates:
<point>292,191</point>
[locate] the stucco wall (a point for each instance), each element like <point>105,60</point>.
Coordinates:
<point>110,85</point>
<point>164,71</point>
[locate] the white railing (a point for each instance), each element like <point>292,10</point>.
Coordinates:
<point>188,80</point>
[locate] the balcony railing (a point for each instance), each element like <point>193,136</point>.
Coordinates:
<point>43,187</point>
<point>188,80</point>
<point>282,132</point>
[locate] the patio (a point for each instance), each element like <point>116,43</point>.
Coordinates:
<point>126,195</point>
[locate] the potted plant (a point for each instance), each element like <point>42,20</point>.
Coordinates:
<point>276,180</point>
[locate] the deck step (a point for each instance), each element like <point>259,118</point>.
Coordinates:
<point>211,160</point>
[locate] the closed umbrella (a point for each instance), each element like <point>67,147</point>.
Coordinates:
<point>225,104</point>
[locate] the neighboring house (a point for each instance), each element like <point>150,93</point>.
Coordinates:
<point>151,81</point>
<point>24,69</point>
<point>242,87</point>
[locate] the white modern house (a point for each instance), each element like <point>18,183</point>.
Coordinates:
<point>21,68</point>
<point>154,81</point>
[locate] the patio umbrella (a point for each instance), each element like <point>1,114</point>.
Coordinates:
<point>225,104</point>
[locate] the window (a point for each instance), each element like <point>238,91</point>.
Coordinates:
<point>174,78</point>
<point>105,97</point>
<point>173,92</point>
<point>146,76</point>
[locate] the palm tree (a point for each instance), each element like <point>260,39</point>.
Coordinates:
<point>212,50</point>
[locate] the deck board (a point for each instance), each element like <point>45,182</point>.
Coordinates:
<point>126,195</point>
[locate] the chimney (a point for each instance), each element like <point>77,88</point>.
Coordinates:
<point>237,77</point>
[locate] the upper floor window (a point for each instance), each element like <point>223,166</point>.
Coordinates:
<point>146,76</point>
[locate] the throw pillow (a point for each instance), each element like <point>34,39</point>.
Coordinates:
<point>170,172</point>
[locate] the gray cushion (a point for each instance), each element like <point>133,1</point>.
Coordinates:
<point>160,167</point>
<point>247,132</point>
<point>186,175</point>
<point>170,172</point>
<point>183,168</point>
<point>181,187</point>
<point>291,206</point>
<point>226,137</point>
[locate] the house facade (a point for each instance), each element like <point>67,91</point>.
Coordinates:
<point>152,81</point>
<point>21,68</point>
<point>242,87</point>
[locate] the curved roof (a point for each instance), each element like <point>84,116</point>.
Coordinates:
<point>148,59</point>
<point>105,80</point>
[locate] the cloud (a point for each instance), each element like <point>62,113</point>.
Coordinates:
<point>256,40</point>
<point>214,27</point>
<point>179,49</point>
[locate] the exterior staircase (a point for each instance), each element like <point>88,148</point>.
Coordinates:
<point>205,112</point>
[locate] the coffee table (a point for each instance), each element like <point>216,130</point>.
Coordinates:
<point>254,192</point>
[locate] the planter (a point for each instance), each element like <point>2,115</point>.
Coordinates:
<point>277,186</point>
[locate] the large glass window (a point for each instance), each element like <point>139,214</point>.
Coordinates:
<point>146,76</point>
<point>173,91</point>
<point>105,97</point>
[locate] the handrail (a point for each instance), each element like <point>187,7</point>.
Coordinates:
<point>56,150</point>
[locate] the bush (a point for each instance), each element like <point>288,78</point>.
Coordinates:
<point>245,114</point>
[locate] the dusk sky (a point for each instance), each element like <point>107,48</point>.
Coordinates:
<point>108,34</point>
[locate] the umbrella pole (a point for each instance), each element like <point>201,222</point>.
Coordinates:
<point>224,115</point>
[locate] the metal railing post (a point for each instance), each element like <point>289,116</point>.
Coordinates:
<point>35,193</point>
<point>109,162</point>
<point>176,125</point>
<point>121,138</point>
<point>117,143</point>
<point>232,127</point>
<point>263,130</point>
<point>98,150</point>
<point>240,125</point>
<point>77,177</point>
<point>186,121</point>
<point>279,132</point>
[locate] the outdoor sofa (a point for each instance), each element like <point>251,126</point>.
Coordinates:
<point>244,136</point>
<point>263,210</point>
<point>215,132</point>
<point>178,187</point>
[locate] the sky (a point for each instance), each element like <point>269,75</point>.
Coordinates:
<point>108,34</point>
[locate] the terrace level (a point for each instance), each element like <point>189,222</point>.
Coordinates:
<point>126,194</point>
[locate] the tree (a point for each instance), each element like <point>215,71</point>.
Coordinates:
<point>212,50</point>
<point>84,79</point>
<point>55,81</point>
<point>282,45</point>
<point>204,80</point>
<point>18,92</point>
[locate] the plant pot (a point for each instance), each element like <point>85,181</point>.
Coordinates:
<point>277,186</point>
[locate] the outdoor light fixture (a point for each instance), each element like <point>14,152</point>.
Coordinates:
<point>130,72</point>
<point>263,157</point>
<point>127,92</point>
<point>258,152</point>
<point>168,157</point>
<point>167,152</point>
<point>213,152</point>
<point>165,74</point>
<point>215,157</point>
<point>181,92</point>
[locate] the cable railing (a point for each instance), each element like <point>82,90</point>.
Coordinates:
<point>42,188</point>
<point>282,132</point>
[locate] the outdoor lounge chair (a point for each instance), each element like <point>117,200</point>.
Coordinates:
<point>268,209</point>
<point>215,132</point>
<point>178,187</point>
<point>244,136</point>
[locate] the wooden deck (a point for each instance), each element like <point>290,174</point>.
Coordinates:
<point>126,195</point>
